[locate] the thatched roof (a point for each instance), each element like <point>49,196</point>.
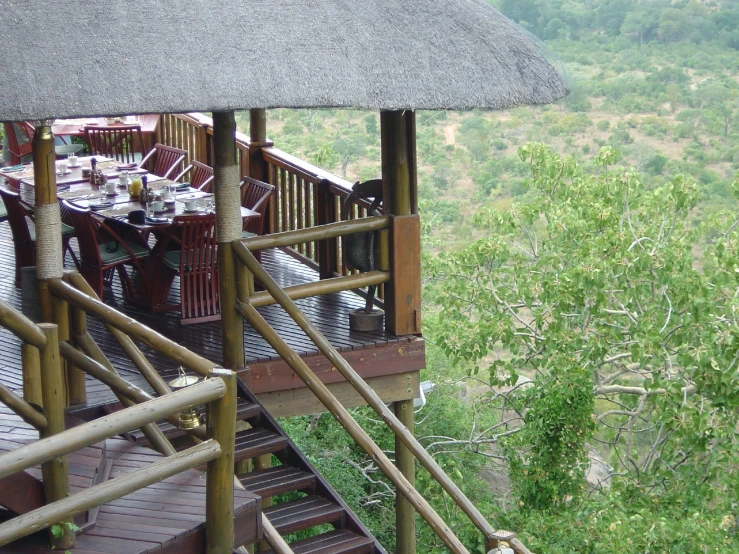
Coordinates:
<point>103,57</point>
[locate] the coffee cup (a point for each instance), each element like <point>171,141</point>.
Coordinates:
<point>110,188</point>
<point>191,204</point>
<point>157,205</point>
<point>123,179</point>
<point>73,159</point>
<point>61,167</point>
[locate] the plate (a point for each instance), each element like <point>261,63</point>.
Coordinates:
<point>74,166</point>
<point>101,205</point>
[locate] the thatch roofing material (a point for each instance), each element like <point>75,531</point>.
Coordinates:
<point>103,57</point>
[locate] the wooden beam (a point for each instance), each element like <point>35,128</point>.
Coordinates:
<point>294,402</point>
<point>405,516</point>
<point>321,232</point>
<point>232,325</point>
<point>403,291</point>
<point>378,361</point>
<point>219,501</point>
<point>31,362</point>
<point>396,197</point>
<point>28,413</point>
<point>258,167</point>
<point>54,467</point>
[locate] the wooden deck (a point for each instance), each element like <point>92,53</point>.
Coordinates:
<point>167,517</point>
<point>373,355</point>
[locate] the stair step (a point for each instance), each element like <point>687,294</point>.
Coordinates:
<point>334,542</point>
<point>254,442</point>
<point>277,480</point>
<point>303,513</point>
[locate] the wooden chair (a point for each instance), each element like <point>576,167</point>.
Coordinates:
<point>19,137</point>
<point>20,219</point>
<point>189,249</point>
<point>167,160</point>
<point>255,195</point>
<point>123,143</point>
<point>201,178</point>
<point>102,249</point>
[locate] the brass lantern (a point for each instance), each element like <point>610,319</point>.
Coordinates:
<point>189,419</point>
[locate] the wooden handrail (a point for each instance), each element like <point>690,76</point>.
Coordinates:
<point>100,494</point>
<point>326,286</point>
<point>332,230</point>
<point>91,432</point>
<point>21,326</point>
<point>367,392</point>
<point>131,327</point>
<point>283,160</point>
<point>28,413</point>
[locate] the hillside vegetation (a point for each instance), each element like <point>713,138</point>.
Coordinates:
<point>580,264</point>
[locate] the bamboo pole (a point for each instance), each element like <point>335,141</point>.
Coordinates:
<point>396,196</point>
<point>76,392</point>
<point>327,286</point>
<point>110,490</point>
<point>118,384</point>
<point>274,539</point>
<point>257,140</point>
<point>114,424</point>
<point>342,415</point>
<point>405,517</point>
<point>320,232</point>
<point>219,501</point>
<point>131,327</point>
<point>54,467</point>
<point>28,413</point>
<point>224,148</point>
<point>44,176</point>
<point>31,362</point>
<point>21,326</point>
<point>129,347</point>
<point>367,393</point>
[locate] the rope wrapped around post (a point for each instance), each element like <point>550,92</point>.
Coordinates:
<point>49,252</point>
<point>228,203</point>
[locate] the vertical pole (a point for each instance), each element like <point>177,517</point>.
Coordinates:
<point>219,502</point>
<point>31,375</point>
<point>410,137</point>
<point>48,221</point>
<point>325,214</point>
<point>257,140</point>
<point>56,483</point>
<point>403,291</point>
<point>405,515</point>
<point>260,463</point>
<point>228,210</point>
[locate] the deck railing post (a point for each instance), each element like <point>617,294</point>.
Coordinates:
<point>56,480</point>
<point>31,363</point>
<point>219,502</point>
<point>325,214</point>
<point>405,515</point>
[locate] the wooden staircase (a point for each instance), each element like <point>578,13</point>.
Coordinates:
<point>302,500</point>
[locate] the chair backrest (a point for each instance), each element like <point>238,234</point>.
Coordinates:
<point>19,137</point>
<point>201,177</point>
<point>124,143</point>
<point>198,270</point>
<point>255,195</point>
<point>167,160</point>
<point>18,212</point>
<point>86,230</point>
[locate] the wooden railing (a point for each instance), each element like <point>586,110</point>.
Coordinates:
<point>218,392</point>
<point>284,297</point>
<point>305,195</point>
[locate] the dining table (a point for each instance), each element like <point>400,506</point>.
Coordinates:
<point>76,127</point>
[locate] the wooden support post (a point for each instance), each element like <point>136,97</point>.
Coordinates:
<point>31,363</point>
<point>257,140</point>
<point>44,174</point>
<point>219,502</point>
<point>405,515</point>
<point>232,325</point>
<point>56,480</point>
<point>260,463</point>
<point>403,292</point>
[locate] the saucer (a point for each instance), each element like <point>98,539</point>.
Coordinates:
<point>191,210</point>
<point>74,166</point>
